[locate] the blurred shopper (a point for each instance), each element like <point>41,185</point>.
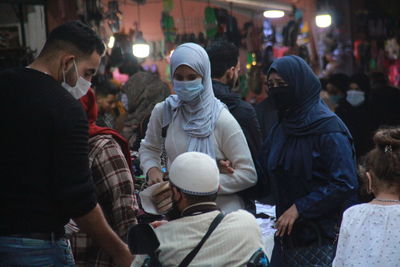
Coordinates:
<point>385,101</point>
<point>336,87</point>
<point>45,173</point>
<point>236,237</point>
<point>369,234</point>
<point>357,114</point>
<point>144,90</point>
<point>106,97</point>
<point>266,113</point>
<point>325,95</point>
<point>109,160</point>
<point>310,161</point>
<point>194,120</point>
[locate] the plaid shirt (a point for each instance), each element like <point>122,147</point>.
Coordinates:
<point>115,194</point>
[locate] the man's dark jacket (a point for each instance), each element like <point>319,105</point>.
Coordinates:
<point>244,113</point>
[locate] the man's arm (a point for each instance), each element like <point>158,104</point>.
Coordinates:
<point>72,187</point>
<point>96,226</point>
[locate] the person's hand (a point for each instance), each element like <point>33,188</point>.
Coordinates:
<point>155,176</point>
<point>285,222</point>
<point>124,258</point>
<point>225,167</point>
<point>156,224</point>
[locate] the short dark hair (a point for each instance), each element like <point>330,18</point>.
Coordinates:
<point>223,55</point>
<point>105,88</point>
<point>76,37</point>
<point>193,199</point>
<point>362,80</point>
<point>341,81</point>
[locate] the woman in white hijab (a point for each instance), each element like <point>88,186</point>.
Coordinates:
<point>196,121</point>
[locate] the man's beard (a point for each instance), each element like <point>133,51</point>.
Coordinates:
<point>234,86</point>
<point>174,212</point>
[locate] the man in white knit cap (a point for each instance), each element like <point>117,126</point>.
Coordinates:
<point>194,183</point>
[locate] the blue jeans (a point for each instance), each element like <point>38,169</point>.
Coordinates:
<point>18,251</point>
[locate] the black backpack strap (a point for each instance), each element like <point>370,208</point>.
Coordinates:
<point>188,259</point>
<point>164,131</point>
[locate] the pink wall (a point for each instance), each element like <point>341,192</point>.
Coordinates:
<point>150,17</point>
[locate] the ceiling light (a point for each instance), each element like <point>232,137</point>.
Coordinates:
<point>273,14</point>
<point>141,50</point>
<point>140,47</point>
<point>111,42</point>
<point>323,20</point>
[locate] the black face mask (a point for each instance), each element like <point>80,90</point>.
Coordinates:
<point>283,97</point>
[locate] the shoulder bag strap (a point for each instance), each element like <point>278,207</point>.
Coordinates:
<point>194,252</point>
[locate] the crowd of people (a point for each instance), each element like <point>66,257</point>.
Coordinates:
<point>325,152</point>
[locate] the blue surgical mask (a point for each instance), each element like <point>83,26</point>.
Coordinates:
<point>355,98</point>
<point>81,87</point>
<point>188,90</point>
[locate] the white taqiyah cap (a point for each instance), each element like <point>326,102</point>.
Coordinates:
<point>195,173</point>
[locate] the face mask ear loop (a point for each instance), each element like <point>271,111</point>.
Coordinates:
<point>76,70</point>
<point>63,71</point>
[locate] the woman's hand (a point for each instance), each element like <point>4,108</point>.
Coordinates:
<point>154,176</point>
<point>225,167</point>
<point>285,222</point>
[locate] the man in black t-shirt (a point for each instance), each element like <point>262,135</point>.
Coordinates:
<point>44,172</point>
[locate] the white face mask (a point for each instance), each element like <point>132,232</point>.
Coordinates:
<point>81,87</point>
<point>355,98</point>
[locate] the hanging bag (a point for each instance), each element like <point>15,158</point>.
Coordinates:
<point>318,254</point>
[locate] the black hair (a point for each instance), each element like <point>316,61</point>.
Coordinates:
<point>340,81</point>
<point>378,79</point>
<point>362,80</point>
<point>105,88</point>
<point>223,55</point>
<point>75,37</point>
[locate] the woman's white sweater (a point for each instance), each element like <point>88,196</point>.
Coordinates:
<point>230,145</point>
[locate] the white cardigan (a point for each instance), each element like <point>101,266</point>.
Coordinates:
<point>230,145</point>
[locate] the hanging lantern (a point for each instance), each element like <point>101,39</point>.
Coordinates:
<point>273,14</point>
<point>140,48</point>
<point>323,20</point>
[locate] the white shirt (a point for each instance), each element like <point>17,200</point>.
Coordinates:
<point>232,243</point>
<point>369,236</point>
<point>230,143</point>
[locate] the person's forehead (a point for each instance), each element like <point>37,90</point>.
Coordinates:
<point>185,68</point>
<point>274,76</point>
